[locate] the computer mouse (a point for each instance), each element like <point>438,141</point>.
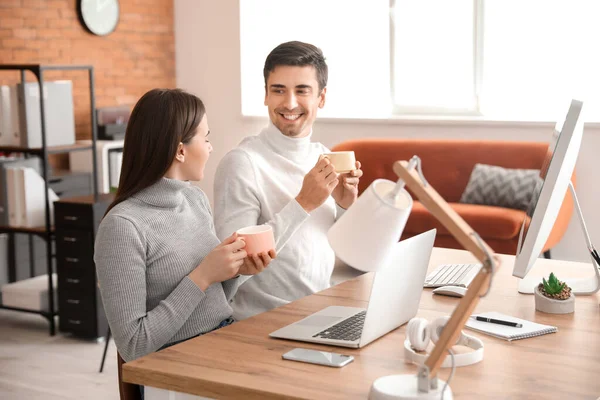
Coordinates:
<point>454,291</point>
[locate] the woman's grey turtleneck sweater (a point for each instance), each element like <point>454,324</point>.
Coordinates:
<point>145,248</point>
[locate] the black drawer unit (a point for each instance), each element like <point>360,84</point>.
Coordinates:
<point>80,306</point>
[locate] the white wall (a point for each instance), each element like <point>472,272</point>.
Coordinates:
<point>208,64</point>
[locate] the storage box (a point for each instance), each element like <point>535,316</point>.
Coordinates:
<point>81,161</point>
<point>31,294</point>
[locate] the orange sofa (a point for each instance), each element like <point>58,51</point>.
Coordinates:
<point>447,166</point>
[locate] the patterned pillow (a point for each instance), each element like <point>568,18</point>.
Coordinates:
<point>496,186</point>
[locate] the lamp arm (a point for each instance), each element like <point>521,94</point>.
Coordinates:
<point>469,239</point>
<point>442,211</point>
<point>457,321</point>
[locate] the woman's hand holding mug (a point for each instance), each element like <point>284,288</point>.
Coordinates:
<point>260,247</point>
<point>221,264</point>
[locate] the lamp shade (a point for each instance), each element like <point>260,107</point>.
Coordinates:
<point>365,234</point>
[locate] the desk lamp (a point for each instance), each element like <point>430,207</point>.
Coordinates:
<point>366,232</point>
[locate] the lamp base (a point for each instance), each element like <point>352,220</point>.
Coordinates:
<point>405,387</point>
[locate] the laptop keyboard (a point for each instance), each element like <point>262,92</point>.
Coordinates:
<point>349,329</point>
<point>452,275</point>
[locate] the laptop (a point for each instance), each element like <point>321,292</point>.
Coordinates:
<point>394,300</point>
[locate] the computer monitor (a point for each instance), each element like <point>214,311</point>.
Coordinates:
<point>548,199</point>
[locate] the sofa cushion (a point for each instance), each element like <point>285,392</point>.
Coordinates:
<point>488,221</point>
<point>503,187</point>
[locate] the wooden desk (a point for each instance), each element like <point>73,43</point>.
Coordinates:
<point>241,361</point>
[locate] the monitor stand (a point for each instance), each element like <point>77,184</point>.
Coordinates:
<point>581,286</point>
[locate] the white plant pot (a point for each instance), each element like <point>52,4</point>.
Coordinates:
<point>552,306</point>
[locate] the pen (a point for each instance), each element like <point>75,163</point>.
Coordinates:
<point>499,321</point>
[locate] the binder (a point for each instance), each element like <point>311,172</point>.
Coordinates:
<point>14,190</point>
<point>33,210</point>
<point>9,117</point>
<point>58,112</point>
<point>115,161</point>
<point>6,163</point>
<point>4,115</point>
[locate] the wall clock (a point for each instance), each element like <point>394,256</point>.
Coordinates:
<point>100,17</point>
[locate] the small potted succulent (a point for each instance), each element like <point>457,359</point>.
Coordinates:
<point>553,296</point>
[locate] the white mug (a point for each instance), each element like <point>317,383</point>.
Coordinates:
<point>343,161</point>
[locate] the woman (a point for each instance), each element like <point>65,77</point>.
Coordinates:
<point>164,277</point>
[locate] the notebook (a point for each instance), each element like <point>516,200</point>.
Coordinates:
<point>529,329</point>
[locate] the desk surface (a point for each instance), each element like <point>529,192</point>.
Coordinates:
<point>241,361</point>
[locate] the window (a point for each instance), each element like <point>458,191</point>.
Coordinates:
<point>538,55</point>
<point>354,37</point>
<point>433,65</point>
<point>518,60</point>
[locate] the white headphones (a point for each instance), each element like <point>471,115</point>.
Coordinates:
<point>420,331</point>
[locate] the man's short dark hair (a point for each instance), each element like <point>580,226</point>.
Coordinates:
<point>297,54</point>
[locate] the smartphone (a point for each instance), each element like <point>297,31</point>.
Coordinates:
<point>318,357</point>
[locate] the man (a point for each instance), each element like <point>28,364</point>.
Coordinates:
<point>278,178</point>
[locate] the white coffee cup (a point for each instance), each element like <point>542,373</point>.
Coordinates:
<point>343,161</point>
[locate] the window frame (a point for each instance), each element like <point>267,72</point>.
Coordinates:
<point>478,40</point>
<point>479,113</point>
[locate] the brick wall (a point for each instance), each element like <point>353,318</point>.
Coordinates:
<point>139,55</point>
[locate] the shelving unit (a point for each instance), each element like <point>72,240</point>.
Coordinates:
<point>50,150</point>
<point>47,231</point>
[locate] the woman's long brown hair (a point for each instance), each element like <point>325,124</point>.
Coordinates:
<point>161,119</point>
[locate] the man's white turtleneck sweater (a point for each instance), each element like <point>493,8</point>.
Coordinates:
<point>257,183</point>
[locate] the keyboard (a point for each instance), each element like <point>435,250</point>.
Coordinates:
<point>452,275</point>
<point>349,329</point>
